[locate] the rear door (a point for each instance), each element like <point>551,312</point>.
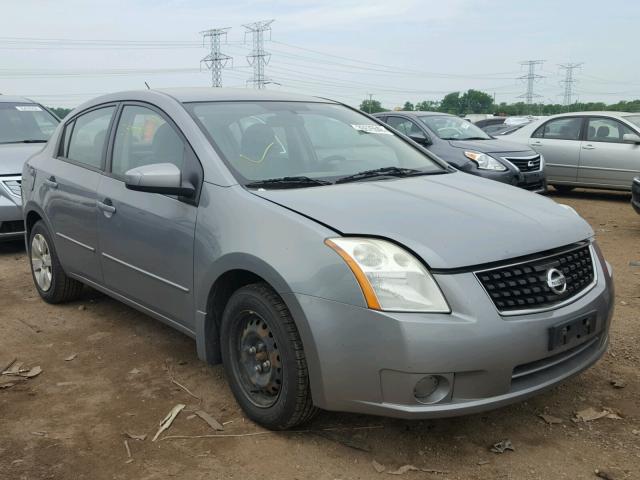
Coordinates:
<point>70,186</point>
<point>605,160</point>
<point>146,239</point>
<point>558,140</point>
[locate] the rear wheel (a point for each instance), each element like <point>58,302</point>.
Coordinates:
<point>52,283</point>
<point>563,188</point>
<point>264,358</point>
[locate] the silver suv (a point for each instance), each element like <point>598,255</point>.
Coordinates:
<point>24,127</point>
<point>325,260</point>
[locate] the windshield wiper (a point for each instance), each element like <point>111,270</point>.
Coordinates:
<point>27,141</point>
<point>382,172</point>
<point>466,138</point>
<point>287,182</point>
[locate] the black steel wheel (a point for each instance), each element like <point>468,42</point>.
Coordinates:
<point>264,358</point>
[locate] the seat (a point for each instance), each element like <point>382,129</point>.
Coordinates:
<point>167,147</point>
<point>592,133</point>
<point>602,133</point>
<point>258,150</point>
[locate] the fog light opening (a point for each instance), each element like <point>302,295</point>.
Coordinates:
<point>431,389</point>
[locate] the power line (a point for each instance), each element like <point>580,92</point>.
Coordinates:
<point>530,77</point>
<point>216,60</point>
<point>569,81</point>
<point>258,58</point>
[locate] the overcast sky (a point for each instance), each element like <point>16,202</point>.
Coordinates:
<point>433,47</point>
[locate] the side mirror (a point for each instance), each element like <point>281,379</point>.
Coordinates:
<point>420,138</point>
<point>631,138</point>
<point>163,178</point>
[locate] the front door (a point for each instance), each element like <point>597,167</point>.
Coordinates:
<point>605,159</point>
<point>558,140</point>
<point>71,181</point>
<point>146,239</point>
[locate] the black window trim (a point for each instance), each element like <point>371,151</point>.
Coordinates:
<point>60,155</point>
<point>581,135</point>
<point>605,117</point>
<point>187,170</point>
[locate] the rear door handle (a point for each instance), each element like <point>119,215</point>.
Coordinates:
<point>51,181</point>
<point>588,147</point>
<point>106,206</point>
<point>536,143</point>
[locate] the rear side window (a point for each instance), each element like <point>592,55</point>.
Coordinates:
<point>86,137</point>
<point>143,137</point>
<point>606,130</point>
<point>560,129</point>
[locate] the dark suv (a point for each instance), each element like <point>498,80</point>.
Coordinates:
<point>471,150</point>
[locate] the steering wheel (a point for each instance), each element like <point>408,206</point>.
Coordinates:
<point>332,161</point>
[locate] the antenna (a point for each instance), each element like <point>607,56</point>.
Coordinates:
<point>147,85</point>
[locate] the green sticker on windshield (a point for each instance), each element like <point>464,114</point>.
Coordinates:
<point>372,129</point>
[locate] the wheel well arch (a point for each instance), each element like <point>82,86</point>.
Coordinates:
<point>30,220</point>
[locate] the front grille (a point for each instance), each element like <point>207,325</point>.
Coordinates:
<point>525,164</point>
<point>13,185</point>
<point>523,287</point>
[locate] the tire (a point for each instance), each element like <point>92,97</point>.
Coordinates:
<point>563,188</point>
<point>277,396</point>
<point>56,287</point>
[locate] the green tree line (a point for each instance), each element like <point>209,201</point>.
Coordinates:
<point>476,101</point>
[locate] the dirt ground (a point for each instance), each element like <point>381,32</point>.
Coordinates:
<point>69,421</point>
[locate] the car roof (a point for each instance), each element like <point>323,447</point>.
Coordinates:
<point>14,99</point>
<point>205,94</point>
<point>596,113</point>
<point>418,113</point>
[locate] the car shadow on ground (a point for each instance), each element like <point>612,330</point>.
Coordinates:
<point>586,194</point>
<point>13,247</point>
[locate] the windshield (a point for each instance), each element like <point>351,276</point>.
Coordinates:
<point>25,122</point>
<point>635,119</point>
<point>453,128</point>
<point>305,142</point>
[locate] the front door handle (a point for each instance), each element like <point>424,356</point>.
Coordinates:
<point>588,147</point>
<point>51,181</point>
<point>537,144</point>
<point>107,206</point>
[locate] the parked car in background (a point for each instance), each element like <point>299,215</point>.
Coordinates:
<point>503,125</point>
<point>635,194</point>
<point>586,149</point>
<point>469,149</point>
<point>324,259</point>
<point>487,122</point>
<point>24,127</point>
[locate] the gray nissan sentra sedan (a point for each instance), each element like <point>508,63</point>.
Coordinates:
<point>324,260</point>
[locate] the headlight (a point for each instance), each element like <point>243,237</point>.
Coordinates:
<point>390,277</point>
<point>485,162</point>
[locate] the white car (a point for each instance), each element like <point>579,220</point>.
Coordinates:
<point>586,149</point>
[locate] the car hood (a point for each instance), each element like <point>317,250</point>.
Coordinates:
<point>490,146</point>
<point>13,156</point>
<point>452,220</point>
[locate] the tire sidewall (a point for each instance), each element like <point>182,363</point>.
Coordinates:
<point>277,415</point>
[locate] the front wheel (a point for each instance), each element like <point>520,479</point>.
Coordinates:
<point>264,358</point>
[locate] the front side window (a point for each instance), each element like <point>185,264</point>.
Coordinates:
<point>448,127</point>
<point>86,137</point>
<point>271,140</point>
<point>25,123</point>
<point>560,129</point>
<point>635,119</point>
<point>405,126</point>
<point>144,137</point>
<point>606,130</point>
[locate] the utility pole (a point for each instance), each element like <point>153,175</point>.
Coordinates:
<point>569,81</point>
<point>530,77</point>
<point>258,58</point>
<point>370,101</point>
<point>216,60</point>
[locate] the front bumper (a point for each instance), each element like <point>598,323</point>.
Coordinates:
<point>635,194</point>
<point>533,181</point>
<point>367,361</point>
<point>11,222</point>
